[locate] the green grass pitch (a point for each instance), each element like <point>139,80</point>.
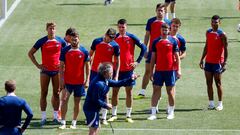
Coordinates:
<point>91,19</point>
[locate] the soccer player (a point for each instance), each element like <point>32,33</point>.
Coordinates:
<point>164,57</point>
<point>214,60</point>
<point>172,4</point>
<point>51,46</point>
<point>69,33</point>
<point>153,30</point>
<point>127,42</point>
<point>105,49</point>
<point>97,92</point>
<point>73,60</point>
<point>11,108</point>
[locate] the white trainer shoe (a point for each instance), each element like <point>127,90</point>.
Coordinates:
<point>211,107</point>
<point>219,108</point>
<point>152,117</point>
<point>73,127</point>
<point>170,116</point>
<point>62,127</point>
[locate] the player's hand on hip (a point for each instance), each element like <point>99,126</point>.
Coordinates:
<point>201,64</point>
<point>134,64</point>
<point>135,76</point>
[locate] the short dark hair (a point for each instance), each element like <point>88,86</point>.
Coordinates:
<point>70,31</point>
<point>216,17</point>
<point>10,86</point>
<point>160,5</point>
<point>176,20</point>
<point>111,33</point>
<point>122,21</point>
<point>165,25</point>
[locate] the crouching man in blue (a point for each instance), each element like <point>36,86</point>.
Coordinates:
<point>11,108</point>
<point>96,95</point>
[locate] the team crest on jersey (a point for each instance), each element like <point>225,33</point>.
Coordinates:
<point>109,49</point>
<point>80,56</point>
<point>57,45</point>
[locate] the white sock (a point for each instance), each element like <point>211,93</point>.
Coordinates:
<point>129,111</point>
<point>171,110</point>
<point>44,115</point>
<point>63,122</point>
<point>74,122</point>
<point>154,110</point>
<point>173,15</point>
<point>211,102</point>
<point>142,91</point>
<point>55,114</point>
<point>104,113</point>
<point>166,15</point>
<point>220,103</point>
<point>114,110</point>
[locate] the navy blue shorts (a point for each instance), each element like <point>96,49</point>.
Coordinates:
<point>167,77</point>
<point>10,131</point>
<point>92,118</point>
<point>168,1</point>
<point>213,68</point>
<point>49,73</point>
<point>126,74</point>
<point>78,90</point>
<point>149,56</point>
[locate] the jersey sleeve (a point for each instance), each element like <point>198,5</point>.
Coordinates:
<point>28,111</point>
<point>182,41</point>
<point>141,46</point>
<point>85,51</point>
<point>94,44</point>
<point>116,49</point>
<point>113,83</point>
<point>148,25</point>
<point>154,45</point>
<point>175,46</point>
<point>63,53</point>
<point>40,43</point>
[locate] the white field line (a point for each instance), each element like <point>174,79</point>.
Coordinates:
<point>9,12</point>
<point>164,130</point>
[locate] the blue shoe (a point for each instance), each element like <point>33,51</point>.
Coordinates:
<point>43,122</point>
<point>56,121</point>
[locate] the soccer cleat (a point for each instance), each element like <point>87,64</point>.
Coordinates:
<point>219,108</point>
<point>62,127</point>
<point>104,122</point>
<point>152,117</point>
<point>56,121</point>
<point>170,116</point>
<point>140,96</point>
<point>211,107</point>
<point>113,118</point>
<point>73,127</point>
<point>129,120</point>
<point>43,122</point>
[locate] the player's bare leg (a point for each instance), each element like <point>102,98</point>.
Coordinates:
<point>218,82</point>
<point>55,96</point>
<point>75,111</point>
<point>114,103</point>
<point>209,81</point>
<point>129,100</point>
<point>154,101</point>
<point>171,101</point>
<point>145,81</point>
<point>64,109</point>
<point>44,82</point>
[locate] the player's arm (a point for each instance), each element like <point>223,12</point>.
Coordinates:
<point>225,44</point>
<point>146,40</point>
<point>28,111</point>
<point>152,64</point>
<point>178,61</point>
<point>204,53</point>
<point>87,70</point>
<point>117,61</point>
<point>61,71</point>
<point>31,53</point>
<point>91,54</point>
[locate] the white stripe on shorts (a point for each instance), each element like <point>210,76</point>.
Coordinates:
<point>95,116</point>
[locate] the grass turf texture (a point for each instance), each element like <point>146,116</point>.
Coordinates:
<point>91,18</point>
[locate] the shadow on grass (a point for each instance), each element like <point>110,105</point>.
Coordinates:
<point>79,4</point>
<point>132,24</point>
<point>203,42</point>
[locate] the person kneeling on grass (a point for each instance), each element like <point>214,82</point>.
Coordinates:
<point>96,95</point>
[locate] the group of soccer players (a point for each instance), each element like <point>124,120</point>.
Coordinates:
<point>72,68</point>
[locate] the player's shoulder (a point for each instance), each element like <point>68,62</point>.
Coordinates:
<point>60,39</point>
<point>99,39</point>
<point>152,19</point>
<point>82,48</point>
